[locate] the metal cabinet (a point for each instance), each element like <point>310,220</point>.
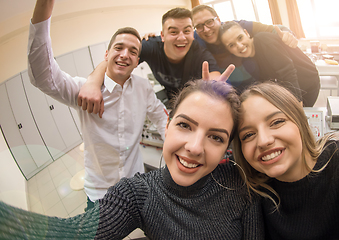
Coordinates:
<point>13,138</point>
<point>54,120</point>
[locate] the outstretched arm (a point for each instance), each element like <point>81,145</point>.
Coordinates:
<point>42,11</point>
<point>90,97</point>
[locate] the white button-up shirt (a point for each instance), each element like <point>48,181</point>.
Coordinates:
<point>111,142</point>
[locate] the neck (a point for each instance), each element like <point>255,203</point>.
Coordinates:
<point>171,60</point>
<point>118,79</point>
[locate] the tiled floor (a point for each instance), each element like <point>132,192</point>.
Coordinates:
<point>49,191</point>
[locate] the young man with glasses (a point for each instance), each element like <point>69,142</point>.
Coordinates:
<point>207,23</point>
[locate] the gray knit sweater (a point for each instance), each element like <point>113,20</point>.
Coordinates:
<point>154,203</point>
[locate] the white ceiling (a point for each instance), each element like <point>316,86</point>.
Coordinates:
<point>11,8</point>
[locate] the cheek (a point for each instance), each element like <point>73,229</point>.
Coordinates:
<point>247,151</point>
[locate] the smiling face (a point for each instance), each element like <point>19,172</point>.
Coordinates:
<point>197,137</point>
<point>209,34</point>
<point>238,42</point>
<point>271,142</point>
<point>177,35</point>
<point>122,57</point>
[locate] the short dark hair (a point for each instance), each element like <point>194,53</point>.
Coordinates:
<point>227,25</point>
<point>177,13</point>
<point>200,8</point>
<point>125,30</point>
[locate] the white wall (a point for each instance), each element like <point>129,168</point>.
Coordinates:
<point>75,24</point>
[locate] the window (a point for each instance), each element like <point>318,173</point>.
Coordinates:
<point>254,10</point>
<point>319,18</point>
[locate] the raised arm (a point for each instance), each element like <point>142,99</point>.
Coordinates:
<point>42,11</point>
<point>90,97</point>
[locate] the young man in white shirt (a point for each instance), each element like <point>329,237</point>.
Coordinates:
<point>111,142</point>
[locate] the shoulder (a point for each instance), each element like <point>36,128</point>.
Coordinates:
<point>248,25</point>
<point>152,42</point>
<point>229,174</point>
<point>331,151</point>
<point>196,47</point>
<point>138,185</point>
<point>136,79</point>
<point>266,36</point>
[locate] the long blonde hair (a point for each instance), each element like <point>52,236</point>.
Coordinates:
<point>290,106</point>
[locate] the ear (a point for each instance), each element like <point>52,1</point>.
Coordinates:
<point>137,63</point>
<point>106,55</point>
<point>245,31</point>
<point>162,36</point>
<point>166,128</point>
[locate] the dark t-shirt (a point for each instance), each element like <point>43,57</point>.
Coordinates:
<point>174,76</point>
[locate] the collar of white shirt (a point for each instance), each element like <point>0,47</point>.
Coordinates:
<point>110,83</point>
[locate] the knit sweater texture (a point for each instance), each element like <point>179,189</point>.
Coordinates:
<point>309,207</point>
<point>154,203</point>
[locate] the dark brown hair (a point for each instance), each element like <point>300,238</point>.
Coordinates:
<point>177,13</point>
<point>125,30</point>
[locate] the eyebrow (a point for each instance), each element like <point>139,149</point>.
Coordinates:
<point>197,124</point>
<point>122,44</point>
<point>171,27</point>
<point>266,119</point>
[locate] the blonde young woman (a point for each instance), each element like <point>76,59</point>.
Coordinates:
<point>297,177</point>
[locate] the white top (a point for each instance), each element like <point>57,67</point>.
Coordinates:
<point>111,142</point>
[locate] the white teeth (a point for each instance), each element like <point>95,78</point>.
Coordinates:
<point>188,165</point>
<point>271,156</point>
<point>244,50</point>
<point>181,45</point>
<point>122,64</point>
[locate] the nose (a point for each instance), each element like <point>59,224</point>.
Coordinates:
<point>181,35</point>
<point>124,53</point>
<point>239,45</point>
<point>265,139</point>
<point>195,144</point>
<point>206,28</point>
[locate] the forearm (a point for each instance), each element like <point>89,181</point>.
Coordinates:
<point>16,223</point>
<point>42,11</point>
<point>98,75</point>
<point>157,113</point>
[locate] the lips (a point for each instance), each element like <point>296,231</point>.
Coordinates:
<point>187,166</point>
<point>271,156</point>
<point>244,50</point>
<point>122,64</point>
<point>180,45</point>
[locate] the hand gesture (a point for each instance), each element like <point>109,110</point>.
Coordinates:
<point>287,37</point>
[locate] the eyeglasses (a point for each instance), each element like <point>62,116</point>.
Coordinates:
<point>208,23</point>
